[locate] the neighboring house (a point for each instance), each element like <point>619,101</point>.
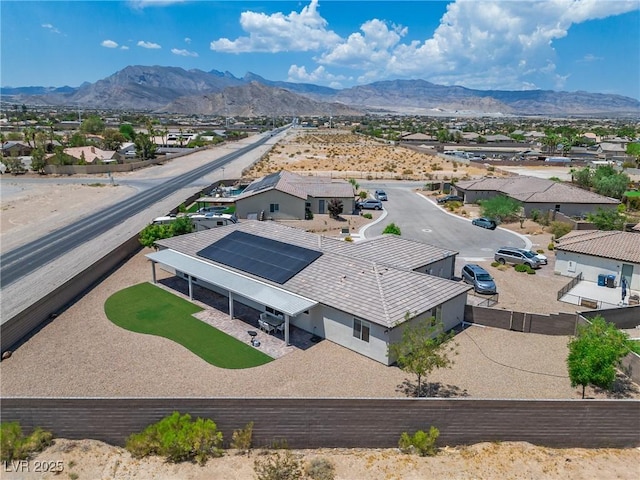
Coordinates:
<point>16,149</point>
<point>358,295</point>
<point>594,253</point>
<point>91,154</point>
<point>610,149</point>
<point>536,194</point>
<point>416,137</point>
<point>285,195</point>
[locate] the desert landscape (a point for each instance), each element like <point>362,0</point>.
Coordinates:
<point>338,154</point>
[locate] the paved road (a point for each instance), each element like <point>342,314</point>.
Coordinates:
<point>423,220</point>
<point>27,258</point>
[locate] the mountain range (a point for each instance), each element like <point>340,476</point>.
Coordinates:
<point>179,91</point>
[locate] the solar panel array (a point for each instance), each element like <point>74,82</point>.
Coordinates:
<point>264,183</point>
<point>260,256</point>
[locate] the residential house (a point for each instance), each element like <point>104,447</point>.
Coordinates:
<point>359,295</point>
<point>535,193</point>
<point>595,253</point>
<point>16,149</point>
<point>287,195</point>
<point>90,154</point>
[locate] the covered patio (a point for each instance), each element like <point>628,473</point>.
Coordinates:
<point>228,313</point>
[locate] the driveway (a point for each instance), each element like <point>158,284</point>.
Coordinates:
<point>422,219</point>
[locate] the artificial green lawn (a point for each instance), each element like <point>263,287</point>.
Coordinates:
<point>145,308</point>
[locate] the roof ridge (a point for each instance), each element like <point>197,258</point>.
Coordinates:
<point>381,290</point>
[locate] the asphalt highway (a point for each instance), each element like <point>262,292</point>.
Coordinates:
<point>27,258</point>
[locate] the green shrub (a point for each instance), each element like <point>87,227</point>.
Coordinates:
<point>539,250</point>
<point>348,238</point>
<point>392,229</point>
<point>278,466</point>
<point>495,264</point>
<point>320,469</point>
<point>522,268</point>
<point>558,229</point>
<point>15,446</point>
<point>551,246</point>
<point>242,438</point>
<point>422,443</point>
<point>367,215</point>
<point>178,438</point>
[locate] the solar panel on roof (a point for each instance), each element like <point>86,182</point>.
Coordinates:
<point>260,256</point>
<point>266,182</point>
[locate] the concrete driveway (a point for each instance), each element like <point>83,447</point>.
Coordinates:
<point>423,220</point>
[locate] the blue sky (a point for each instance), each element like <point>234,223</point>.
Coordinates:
<point>591,45</point>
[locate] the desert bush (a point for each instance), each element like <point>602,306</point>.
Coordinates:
<point>241,439</point>
<point>551,246</point>
<point>277,466</point>
<point>392,229</point>
<point>178,438</point>
<point>453,205</point>
<point>495,264</point>
<point>14,445</point>
<point>420,442</point>
<point>522,268</point>
<point>320,469</point>
<point>559,229</point>
<point>367,215</point>
<point>348,238</point>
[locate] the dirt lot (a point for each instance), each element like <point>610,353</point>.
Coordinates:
<point>89,459</point>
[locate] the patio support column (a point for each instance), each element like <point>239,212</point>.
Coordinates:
<point>286,329</point>
<point>231,305</point>
<point>153,272</point>
<point>190,287</point>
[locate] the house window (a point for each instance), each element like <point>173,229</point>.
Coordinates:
<point>274,207</point>
<point>557,209</point>
<point>436,313</point>
<point>361,329</point>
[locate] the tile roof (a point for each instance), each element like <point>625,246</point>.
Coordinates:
<point>356,278</point>
<point>623,246</point>
<point>535,190</point>
<point>299,186</point>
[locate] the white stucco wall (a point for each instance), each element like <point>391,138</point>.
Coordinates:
<point>290,207</point>
<point>591,267</point>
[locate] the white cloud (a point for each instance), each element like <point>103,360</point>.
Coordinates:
<point>184,53</point>
<point>109,44</point>
<point>589,57</point>
<point>187,40</point>
<point>319,75</point>
<point>478,44</point>
<point>50,27</point>
<point>151,45</point>
<point>302,31</point>
<point>124,47</point>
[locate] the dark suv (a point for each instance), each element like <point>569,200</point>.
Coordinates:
<point>478,277</point>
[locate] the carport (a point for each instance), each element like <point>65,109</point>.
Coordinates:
<point>237,285</point>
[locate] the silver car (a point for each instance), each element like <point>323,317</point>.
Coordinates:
<point>516,256</point>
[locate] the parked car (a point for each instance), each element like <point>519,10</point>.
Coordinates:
<point>370,203</point>
<point>450,198</point>
<point>542,258</point>
<point>485,223</point>
<point>516,256</point>
<point>478,277</point>
<point>381,195</point>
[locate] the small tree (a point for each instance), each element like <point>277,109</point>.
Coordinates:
<point>500,207</point>
<point>392,229</point>
<point>607,219</point>
<point>335,207</point>
<point>594,354</point>
<point>424,347</point>
<point>38,161</point>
